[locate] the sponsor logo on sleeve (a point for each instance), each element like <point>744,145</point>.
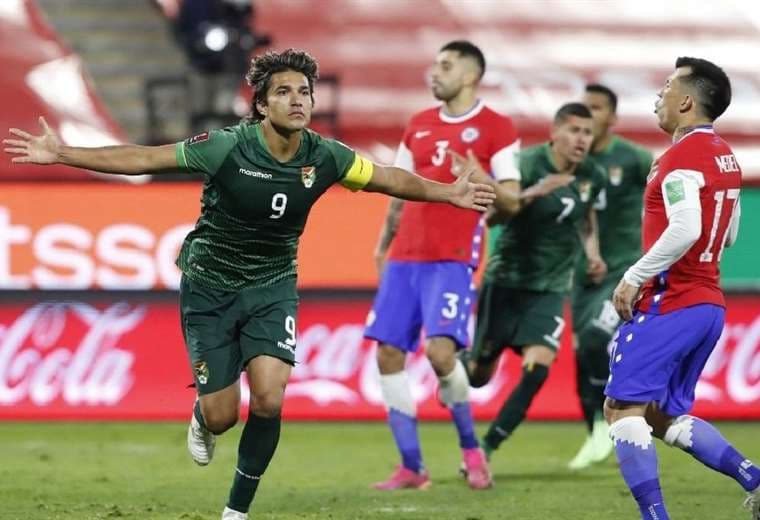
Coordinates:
<point>198,138</point>
<point>652,172</point>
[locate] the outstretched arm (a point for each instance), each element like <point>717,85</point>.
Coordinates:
<point>510,199</point>
<point>507,202</point>
<point>388,232</point>
<point>409,186</point>
<point>127,159</point>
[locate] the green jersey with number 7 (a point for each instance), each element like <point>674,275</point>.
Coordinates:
<point>538,248</point>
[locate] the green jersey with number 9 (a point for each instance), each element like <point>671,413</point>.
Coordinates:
<point>538,248</point>
<point>253,207</point>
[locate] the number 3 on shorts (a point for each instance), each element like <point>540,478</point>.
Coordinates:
<point>290,328</point>
<point>451,310</point>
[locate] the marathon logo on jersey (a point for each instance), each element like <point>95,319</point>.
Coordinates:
<point>584,189</point>
<point>201,372</point>
<point>258,175</point>
<point>727,163</point>
<point>198,138</point>
<point>308,175</point>
<point>286,346</point>
<point>470,134</point>
<point>615,173</point>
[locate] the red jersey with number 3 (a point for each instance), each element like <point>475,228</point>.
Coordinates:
<point>433,231</point>
<point>694,278</point>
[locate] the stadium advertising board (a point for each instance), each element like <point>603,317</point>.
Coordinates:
<point>76,236</point>
<point>105,236</point>
<point>125,359</point>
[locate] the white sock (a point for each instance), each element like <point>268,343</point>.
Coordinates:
<point>455,387</point>
<point>397,394</point>
<point>632,429</point>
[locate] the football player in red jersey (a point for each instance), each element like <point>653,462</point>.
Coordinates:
<point>691,212</point>
<point>427,256</point>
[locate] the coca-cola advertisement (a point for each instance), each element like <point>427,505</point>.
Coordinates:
<point>125,359</point>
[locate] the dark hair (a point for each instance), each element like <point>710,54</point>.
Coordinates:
<point>571,109</point>
<point>469,49</point>
<point>598,88</point>
<point>265,65</point>
<point>711,84</point>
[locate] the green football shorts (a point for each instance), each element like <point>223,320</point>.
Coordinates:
<point>516,318</point>
<point>225,329</point>
<point>595,319</point>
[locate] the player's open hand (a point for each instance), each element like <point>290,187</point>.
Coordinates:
<point>623,299</point>
<point>547,185</point>
<point>35,149</point>
<point>472,195</point>
<point>461,164</point>
<point>596,269</point>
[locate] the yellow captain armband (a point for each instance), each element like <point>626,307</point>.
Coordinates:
<point>359,174</point>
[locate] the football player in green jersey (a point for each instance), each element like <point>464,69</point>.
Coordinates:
<point>238,296</point>
<point>595,320</point>
<point>530,269</point>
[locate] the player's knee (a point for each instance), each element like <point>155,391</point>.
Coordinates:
<point>614,410</point>
<point>442,360</point>
<point>610,412</point>
<point>390,359</point>
<point>678,433</point>
<point>219,421</point>
<point>267,403</point>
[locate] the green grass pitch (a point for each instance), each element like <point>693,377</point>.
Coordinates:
<point>81,471</point>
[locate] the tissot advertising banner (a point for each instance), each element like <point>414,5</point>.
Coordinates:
<point>89,236</point>
<point>125,359</point>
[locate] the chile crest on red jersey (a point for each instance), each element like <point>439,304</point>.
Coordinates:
<point>432,231</point>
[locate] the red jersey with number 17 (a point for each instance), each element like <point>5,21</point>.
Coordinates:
<point>428,231</point>
<point>695,277</point>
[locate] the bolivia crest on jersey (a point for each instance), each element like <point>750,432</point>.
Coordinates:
<point>584,189</point>
<point>308,174</point>
<point>615,174</point>
<point>470,134</point>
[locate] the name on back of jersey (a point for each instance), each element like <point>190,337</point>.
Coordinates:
<point>727,163</point>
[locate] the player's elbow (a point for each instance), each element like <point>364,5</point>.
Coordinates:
<point>691,234</point>
<point>508,207</point>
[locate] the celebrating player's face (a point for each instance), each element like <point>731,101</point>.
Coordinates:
<point>449,75</point>
<point>288,101</point>
<point>601,112</point>
<point>572,138</point>
<point>670,100</point>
